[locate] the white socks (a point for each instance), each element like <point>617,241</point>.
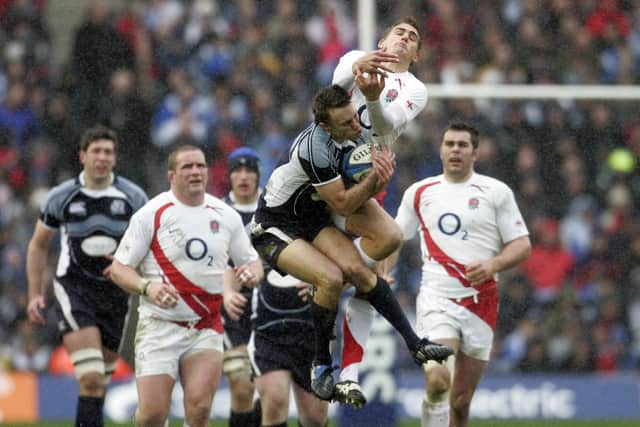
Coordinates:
<point>355,332</point>
<point>435,414</point>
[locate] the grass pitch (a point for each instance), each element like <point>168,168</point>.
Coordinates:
<point>484,423</point>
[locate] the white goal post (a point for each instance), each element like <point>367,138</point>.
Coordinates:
<point>536,91</point>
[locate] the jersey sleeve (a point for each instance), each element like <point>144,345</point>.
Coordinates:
<point>240,251</point>
<point>509,219</point>
<point>407,105</point>
<point>407,217</point>
<point>136,242</point>
<point>316,160</point>
<point>343,73</point>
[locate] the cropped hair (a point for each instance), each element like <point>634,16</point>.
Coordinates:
<point>328,98</point>
<point>465,127</point>
<point>97,133</point>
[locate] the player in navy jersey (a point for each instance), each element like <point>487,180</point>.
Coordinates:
<point>294,230</point>
<point>91,213</point>
<point>280,348</point>
<point>243,166</point>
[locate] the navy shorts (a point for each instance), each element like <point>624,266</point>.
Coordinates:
<point>237,332</point>
<point>293,353</point>
<point>82,302</point>
<point>270,235</point>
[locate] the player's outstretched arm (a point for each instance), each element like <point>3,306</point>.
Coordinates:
<point>36,259</point>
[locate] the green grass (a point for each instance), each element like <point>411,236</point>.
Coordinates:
<point>485,423</point>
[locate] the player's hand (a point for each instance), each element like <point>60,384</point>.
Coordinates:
<point>245,276</point>
<point>479,272</point>
<point>370,84</point>
<point>384,165</point>
<point>304,290</point>
<point>35,309</point>
<point>376,61</point>
<point>163,295</point>
<point>234,304</point>
<point>107,271</point>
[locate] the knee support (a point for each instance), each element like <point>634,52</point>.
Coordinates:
<point>236,364</point>
<point>109,369</point>
<point>87,360</point>
<point>429,367</point>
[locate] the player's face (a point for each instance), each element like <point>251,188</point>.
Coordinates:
<point>457,155</point>
<point>403,41</point>
<point>189,179</point>
<point>244,183</point>
<point>99,160</point>
<point>343,124</point>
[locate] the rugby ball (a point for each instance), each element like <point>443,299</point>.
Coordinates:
<point>99,245</point>
<point>357,163</point>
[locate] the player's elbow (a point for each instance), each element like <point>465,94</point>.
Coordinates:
<point>117,272</point>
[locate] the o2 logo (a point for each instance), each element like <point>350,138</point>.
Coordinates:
<point>196,249</point>
<point>361,111</point>
<point>450,224</point>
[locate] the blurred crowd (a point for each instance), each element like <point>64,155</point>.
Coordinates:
<point>222,74</point>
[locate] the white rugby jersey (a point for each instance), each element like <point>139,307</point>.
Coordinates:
<point>458,223</point>
<point>403,97</point>
<point>188,247</point>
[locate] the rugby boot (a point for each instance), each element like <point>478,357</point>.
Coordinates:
<point>322,381</point>
<point>348,392</point>
<point>427,350</point>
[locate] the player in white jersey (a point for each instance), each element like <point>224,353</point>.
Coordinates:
<point>470,229</point>
<point>402,99</point>
<point>175,254</point>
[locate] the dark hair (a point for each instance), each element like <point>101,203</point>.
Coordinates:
<point>326,99</point>
<point>96,133</point>
<point>172,161</point>
<point>406,20</point>
<point>465,127</point>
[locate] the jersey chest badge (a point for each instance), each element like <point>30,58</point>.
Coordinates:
<point>214,226</point>
<point>78,208</point>
<point>392,94</point>
<point>474,203</point>
<point>117,207</point>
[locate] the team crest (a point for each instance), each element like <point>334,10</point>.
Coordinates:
<point>78,208</point>
<point>392,94</point>
<point>214,226</point>
<point>118,207</point>
<point>473,203</point>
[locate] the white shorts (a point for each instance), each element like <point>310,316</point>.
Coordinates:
<point>161,344</point>
<point>443,318</point>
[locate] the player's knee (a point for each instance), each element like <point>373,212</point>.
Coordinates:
<point>438,381</point>
<point>89,369</point>
<point>390,241</point>
<point>461,404</point>
<point>331,281</point>
<point>274,405</point>
<point>197,412</point>
<point>358,274</point>
<point>242,393</point>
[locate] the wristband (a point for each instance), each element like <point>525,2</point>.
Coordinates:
<point>144,284</point>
